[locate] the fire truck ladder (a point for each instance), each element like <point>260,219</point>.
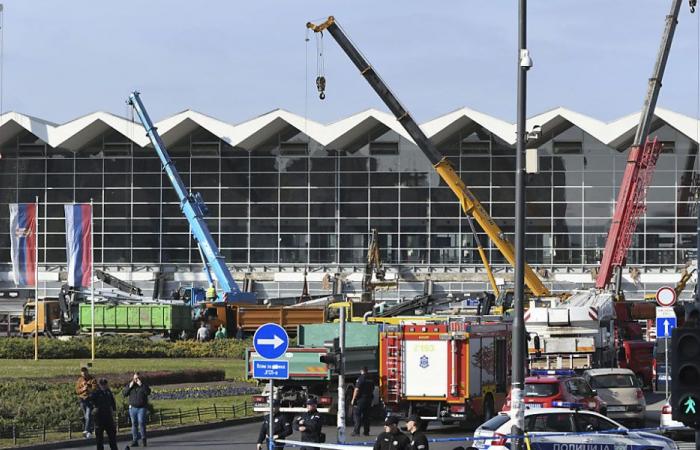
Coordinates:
<point>393,368</point>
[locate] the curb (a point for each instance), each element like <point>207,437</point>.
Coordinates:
<point>74,443</point>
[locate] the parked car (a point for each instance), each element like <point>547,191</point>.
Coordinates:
<point>621,391</point>
<point>560,388</point>
<point>671,428</point>
<point>550,426</point>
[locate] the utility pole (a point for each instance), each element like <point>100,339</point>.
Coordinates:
<point>519,350</point>
<point>341,377</point>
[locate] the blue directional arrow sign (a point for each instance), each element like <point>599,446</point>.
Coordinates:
<point>270,370</point>
<point>664,325</point>
<point>270,341</point>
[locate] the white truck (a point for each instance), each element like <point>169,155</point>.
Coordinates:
<point>575,333</point>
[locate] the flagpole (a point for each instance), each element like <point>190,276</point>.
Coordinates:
<point>92,281</point>
<point>36,279</point>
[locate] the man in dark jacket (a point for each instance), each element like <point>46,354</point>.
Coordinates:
<point>281,427</point>
<point>392,438</point>
<point>103,402</point>
<point>137,392</point>
<point>361,401</point>
<point>418,439</point>
<point>310,424</point>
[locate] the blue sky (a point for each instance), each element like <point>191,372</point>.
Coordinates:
<point>235,60</point>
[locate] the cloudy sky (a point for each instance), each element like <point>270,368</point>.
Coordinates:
<point>235,60</point>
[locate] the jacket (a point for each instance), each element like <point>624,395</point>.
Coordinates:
<point>281,428</point>
<point>418,441</point>
<point>138,395</point>
<point>312,423</point>
<point>85,386</point>
<point>104,404</point>
<point>392,441</point>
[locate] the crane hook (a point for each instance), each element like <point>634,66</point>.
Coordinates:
<point>321,86</point>
<point>692,4</point>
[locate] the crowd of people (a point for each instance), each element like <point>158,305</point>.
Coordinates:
<point>98,406</point>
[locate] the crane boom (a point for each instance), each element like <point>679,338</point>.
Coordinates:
<point>641,162</point>
<point>194,210</point>
<point>470,204</point>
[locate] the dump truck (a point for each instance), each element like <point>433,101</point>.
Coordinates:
<point>171,319</point>
<point>249,317</point>
<point>310,377</point>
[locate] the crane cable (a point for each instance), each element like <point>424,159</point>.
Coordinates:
<point>320,66</point>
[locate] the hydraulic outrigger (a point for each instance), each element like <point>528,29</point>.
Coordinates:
<point>470,204</point>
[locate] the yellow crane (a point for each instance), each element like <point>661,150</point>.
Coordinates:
<point>470,204</point>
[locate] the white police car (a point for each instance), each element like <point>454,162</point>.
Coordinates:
<point>568,429</point>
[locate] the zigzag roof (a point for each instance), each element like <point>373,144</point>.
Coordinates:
<point>78,132</point>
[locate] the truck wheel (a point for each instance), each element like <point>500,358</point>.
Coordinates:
<point>489,409</point>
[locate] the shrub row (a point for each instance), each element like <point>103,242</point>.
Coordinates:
<point>155,377</point>
<point>203,392</point>
<point>122,347</point>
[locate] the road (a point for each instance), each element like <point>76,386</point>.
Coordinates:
<point>243,437</point>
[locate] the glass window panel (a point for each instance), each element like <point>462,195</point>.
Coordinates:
<point>147,195</point>
<point>117,165</point>
<point>264,225</point>
<point>8,180</point>
<point>352,164</point>
<point>53,196</point>
<point>322,210</point>
<point>384,210</point>
<point>120,180</point>
<point>353,195</point>
<point>322,195</point>
<point>258,180</point>
<point>353,179</point>
<point>326,164</point>
<point>55,165</point>
<point>234,240</point>
<point>176,255</point>
<point>31,180</point>
<point>263,256</point>
<point>353,210</point>
<point>235,225</point>
<point>414,210</point>
<point>177,240</point>
<point>384,195</point>
<point>263,164</point>
<point>234,164</point>
<point>145,225</point>
<point>263,210</point>
<point>293,179</point>
<point>353,226</point>
<point>263,195</point>
<point>146,256</point>
<point>414,194</point>
<point>321,226</point>
<point>235,195</point>
<point>384,179</point>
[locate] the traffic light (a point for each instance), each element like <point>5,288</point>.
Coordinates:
<point>685,376</point>
<point>333,356</point>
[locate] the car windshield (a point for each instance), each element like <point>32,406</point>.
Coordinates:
<point>549,423</point>
<point>590,422</point>
<point>613,381</point>
<point>541,389</point>
<point>495,422</point>
<point>579,386</point>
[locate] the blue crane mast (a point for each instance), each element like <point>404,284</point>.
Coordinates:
<point>194,210</point>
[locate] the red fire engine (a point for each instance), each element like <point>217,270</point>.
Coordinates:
<point>450,372</point>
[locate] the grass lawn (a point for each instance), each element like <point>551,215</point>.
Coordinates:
<point>22,368</point>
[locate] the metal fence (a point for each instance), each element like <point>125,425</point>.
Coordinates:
<point>161,417</point>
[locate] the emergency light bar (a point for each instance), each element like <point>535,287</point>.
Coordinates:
<point>558,404</point>
<point>561,372</point>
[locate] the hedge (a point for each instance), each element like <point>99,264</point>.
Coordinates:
<point>122,347</point>
<point>155,377</point>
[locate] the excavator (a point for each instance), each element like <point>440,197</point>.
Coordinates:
<point>374,276</point>
<point>469,202</point>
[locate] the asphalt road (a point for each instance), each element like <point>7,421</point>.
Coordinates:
<point>243,437</point>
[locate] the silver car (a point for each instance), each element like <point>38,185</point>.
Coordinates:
<point>620,389</point>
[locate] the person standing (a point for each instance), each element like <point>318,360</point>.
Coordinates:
<point>310,424</point>
<point>105,406</point>
<point>85,386</point>
<point>281,427</point>
<point>391,438</point>
<point>211,293</point>
<point>203,333</point>
<point>361,401</point>
<point>137,391</point>
<point>418,439</point>
<point>220,333</point>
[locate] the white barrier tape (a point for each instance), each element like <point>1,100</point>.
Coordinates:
<point>324,445</point>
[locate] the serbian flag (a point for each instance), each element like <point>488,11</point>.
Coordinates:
<point>79,244</point>
<point>23,241</point>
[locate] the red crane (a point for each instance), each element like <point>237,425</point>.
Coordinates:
<point>639,170</point>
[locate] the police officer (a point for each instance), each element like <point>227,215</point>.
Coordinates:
<point>361,402</point>
<point>418,439</point>
<point>392,438</point>
<point>281,427</point>
<point>310,424</point>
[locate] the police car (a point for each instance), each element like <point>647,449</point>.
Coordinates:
<point>567,429</point>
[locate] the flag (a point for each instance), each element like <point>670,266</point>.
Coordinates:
<point>23,241</point>
<point>79,244</point>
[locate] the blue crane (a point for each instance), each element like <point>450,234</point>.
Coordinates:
<point>194,209</point>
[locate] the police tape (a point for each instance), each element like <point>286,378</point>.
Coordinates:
<point>528,438</point>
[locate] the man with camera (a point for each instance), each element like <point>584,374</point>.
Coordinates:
<point>137,392</point>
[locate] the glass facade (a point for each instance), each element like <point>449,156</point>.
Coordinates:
<point>292,201</point>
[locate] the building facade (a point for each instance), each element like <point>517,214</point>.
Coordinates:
<point>286,195</point>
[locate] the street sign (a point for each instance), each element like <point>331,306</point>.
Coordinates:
<point>665,321</point>
<point>270,370</point>
<point>666,296</point>
<point>270,341</point>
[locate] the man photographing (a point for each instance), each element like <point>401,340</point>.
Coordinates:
<point>137,392</point>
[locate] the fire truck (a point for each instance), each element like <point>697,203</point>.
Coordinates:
<point>455,371</point>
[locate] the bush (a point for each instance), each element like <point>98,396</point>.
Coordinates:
<point>122,347</point>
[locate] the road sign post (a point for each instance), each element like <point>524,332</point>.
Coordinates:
<point>270,342</point>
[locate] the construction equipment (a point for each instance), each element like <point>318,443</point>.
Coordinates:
<point>470,204</point>
<point>117,283</point>
<point>641,162</point>
<point>375,274</point>
<point>195,210</point>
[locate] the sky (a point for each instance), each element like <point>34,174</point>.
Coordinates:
<point>235,60</point>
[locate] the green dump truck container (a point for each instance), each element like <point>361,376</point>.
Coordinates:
<point>137,318</point>
<point>357,334</point>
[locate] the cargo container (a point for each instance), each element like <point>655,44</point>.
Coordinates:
<point>137,318</point>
